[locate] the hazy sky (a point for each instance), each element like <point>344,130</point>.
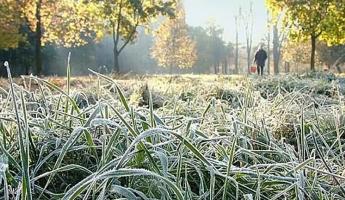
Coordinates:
<point>222,12</point>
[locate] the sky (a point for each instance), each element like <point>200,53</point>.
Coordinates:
<point>222,12</point>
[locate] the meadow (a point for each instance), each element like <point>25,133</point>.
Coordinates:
<point>161,137</point>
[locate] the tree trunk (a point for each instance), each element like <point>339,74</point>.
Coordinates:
<point>236,50</point>
<point>248,56</point>
<point>116,38</point>
<point>249,50</point>
<point>38,38</point>
<point>313,49</point>
<point>116,68</point>
<point>269,52</point>
<point>225,66</point>
<point>249,36</point>
<point>268,44</point>
<point>27,69</point>
<point>276,52</point>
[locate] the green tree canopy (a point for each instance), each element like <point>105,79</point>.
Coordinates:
<point>212,50</point>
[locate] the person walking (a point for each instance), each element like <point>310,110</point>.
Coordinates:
<point>260,60</point>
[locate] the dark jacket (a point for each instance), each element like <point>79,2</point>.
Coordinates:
<point>260,57</point>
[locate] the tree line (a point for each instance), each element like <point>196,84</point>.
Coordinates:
<point>71,23</point>
<point>143,35</point>
<point>86,29</point>
<point>316,21</point>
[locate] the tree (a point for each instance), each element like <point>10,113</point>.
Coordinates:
<point>236,43</point>
<point>268,43</point>
<point>228,55</point>
<point>217,48</point>
<point>121,19</point>
<point>211,49</point>
<point>203,43</point>
<point>297,53</point>
<point>173,46</point>
<point>62,22</point>
<point>276,49</point>
<point>332,56</point>
<point>248,23</point>
<point>312,19</point>
<point>10,34</point>
<point>279,37</point>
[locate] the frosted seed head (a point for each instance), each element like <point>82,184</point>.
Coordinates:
<point>6,64</point>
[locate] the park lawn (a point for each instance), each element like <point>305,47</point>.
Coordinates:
<point>183,137</point>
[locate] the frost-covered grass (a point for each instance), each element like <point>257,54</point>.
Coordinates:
<point>157,137</point>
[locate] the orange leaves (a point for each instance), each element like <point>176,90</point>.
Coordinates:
<point>10,24</point>
<point>173,47</point>
<point>64,22</point>
<point>69,24</point>
<point>321,18</point>
<point>74,23</point>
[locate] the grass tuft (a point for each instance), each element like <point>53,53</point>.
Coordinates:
<point>212,137</point>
